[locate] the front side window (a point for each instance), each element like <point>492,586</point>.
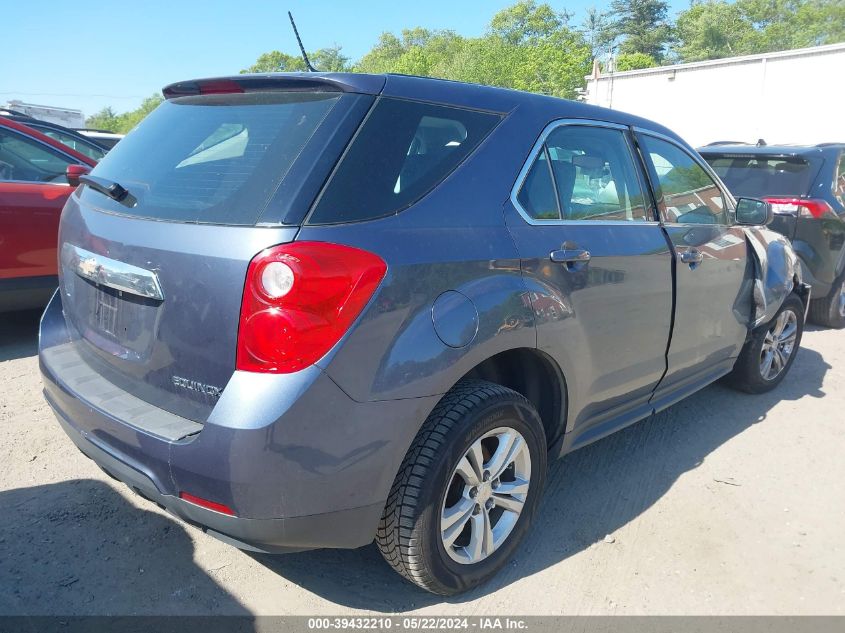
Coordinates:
<point>403,150</point>
<point>24,159</point>
<point>583,173</point>
<point>688,195</point>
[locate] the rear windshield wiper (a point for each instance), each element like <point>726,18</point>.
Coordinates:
<point>110,188</point>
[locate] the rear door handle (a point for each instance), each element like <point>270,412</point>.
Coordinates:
<point>570,256</point>
<point>691,256</point>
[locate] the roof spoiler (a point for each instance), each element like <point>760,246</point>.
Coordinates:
<point>278,82</point>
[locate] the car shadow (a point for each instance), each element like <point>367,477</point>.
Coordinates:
<point>78,548</point>
<point>19,334</point>
<point>589,493</point>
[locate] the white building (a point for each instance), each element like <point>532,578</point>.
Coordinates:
<point>795,96</point>
<point>62,116</point>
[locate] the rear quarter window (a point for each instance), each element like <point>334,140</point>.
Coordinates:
<point>401,152</point>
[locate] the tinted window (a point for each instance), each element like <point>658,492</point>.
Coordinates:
<point>212,158</point>
<point>537,195</point>
<point>22,158</point>
<point>759,176</point>
<point>402,151</point>
<point>583,173</point>
<point>689,194</point>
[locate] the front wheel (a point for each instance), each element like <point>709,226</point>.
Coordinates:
<point>467,489</point>
<point>766,358</point>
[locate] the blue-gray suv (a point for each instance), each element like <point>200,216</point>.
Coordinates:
<point>313,310</point>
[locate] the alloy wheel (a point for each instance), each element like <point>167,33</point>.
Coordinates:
<point>778,345</point>
<point>485,495</point>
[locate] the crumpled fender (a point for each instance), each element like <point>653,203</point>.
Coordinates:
<point>777,272</point>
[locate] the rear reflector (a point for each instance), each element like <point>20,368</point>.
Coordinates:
<point>802,207</point>
<point>205,503</point>
<point>299,300</point>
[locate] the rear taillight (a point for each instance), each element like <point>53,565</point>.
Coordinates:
<point>299,300</point>
<point>802,207</point>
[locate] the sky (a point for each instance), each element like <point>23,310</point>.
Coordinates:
<point>88,54</point>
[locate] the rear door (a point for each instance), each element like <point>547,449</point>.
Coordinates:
<point>713,300</point>
<point>33,190</point>
<point>598,268</point>
<point>152,284</point>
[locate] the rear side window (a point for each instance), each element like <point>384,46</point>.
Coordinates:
<point>759,176</point>
<point>403,150</point>
<point>839,185</point>
<point>212,158</point>
<point>583,173</point>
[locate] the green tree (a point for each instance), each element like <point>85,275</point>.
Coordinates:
<point>713,29</point>
<point>105,119</point>
<point>596,29</point>
<point>634,61</point>
<point>330,60</point>
<point>527,21</point>
<point>276,62</point>
<point>643,26</point>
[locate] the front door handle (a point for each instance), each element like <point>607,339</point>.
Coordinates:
<point>570,256</point>
<point>692,256</point>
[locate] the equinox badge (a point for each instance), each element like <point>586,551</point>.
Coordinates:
<point>195,385</point>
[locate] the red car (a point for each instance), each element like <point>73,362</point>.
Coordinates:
<point>37,174</point>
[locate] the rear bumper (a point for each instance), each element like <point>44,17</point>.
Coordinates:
<point>300,463</point>
<point>258,535</point>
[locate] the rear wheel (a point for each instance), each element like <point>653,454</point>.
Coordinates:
<point>829,311</point>
<point>767,357</point>
<point>467,489</point>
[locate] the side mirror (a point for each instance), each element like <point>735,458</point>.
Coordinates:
<point>753,212</point>
<point>73,172</point>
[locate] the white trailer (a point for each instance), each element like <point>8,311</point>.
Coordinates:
<point>62,116</point>
<point>788,97</point>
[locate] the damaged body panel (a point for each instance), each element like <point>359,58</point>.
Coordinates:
<point>777,273</point>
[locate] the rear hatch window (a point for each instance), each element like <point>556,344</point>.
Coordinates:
<point>759,176</point>
<point>213,159</point>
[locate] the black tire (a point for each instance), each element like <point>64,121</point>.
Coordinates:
<point>826,311</point>
<point>747,373</point>
<point>409,534</point>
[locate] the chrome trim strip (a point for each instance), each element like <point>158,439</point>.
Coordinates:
<point>537,148</point>
<point>112,273</point>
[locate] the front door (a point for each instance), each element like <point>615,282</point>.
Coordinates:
<point>598,269</point>
<point>713,300</point>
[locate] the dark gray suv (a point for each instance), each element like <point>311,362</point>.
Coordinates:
<point>806,187</point>
<point>314,310</point>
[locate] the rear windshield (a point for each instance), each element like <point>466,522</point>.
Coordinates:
<point>402,151</point>
<point>758,176</point>
<point>212,158</point>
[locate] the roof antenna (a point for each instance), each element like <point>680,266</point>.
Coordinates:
<point>308,65</point>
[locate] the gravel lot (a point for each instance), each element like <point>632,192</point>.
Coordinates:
<point>724,504</point>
